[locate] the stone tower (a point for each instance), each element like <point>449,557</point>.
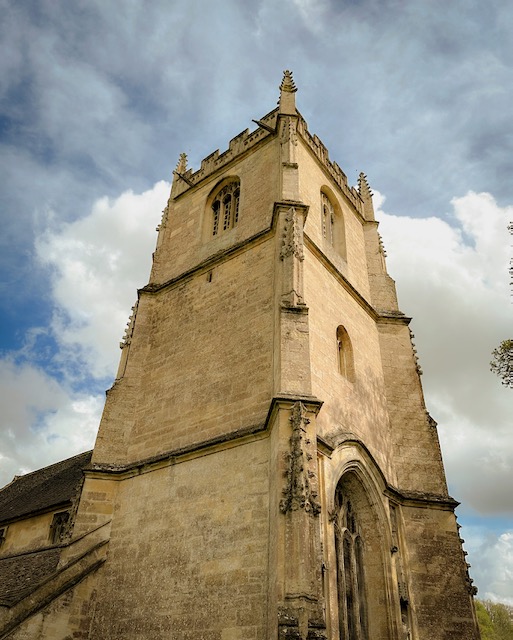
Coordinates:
<point>265,466</point>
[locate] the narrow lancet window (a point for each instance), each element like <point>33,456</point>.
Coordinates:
<point>333,230</point>
<point>328,218</point>
<point>345,354</point>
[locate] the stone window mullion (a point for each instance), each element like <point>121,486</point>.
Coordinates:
<point>225,208</point>
<point>227,212</point>
<point>350,573</point>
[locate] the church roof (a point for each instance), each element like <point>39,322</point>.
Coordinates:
<point>20,575</point>
<point>43,489</point>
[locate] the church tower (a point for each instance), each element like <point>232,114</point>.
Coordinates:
<point>265,467</point>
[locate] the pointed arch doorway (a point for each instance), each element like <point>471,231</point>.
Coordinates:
<point>360,564</point>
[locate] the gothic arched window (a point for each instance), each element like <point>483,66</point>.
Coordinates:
<point>345,354</point>
<point>349,547</point>
<point>225,207</point>
<point>333,225</point>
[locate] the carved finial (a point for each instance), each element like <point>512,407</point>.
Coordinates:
<point>287,102</point>
<point>366,195</point>
<point>181,167</point>
<point>180,174</point>
<point>287,84</point>
<point>363,186</point>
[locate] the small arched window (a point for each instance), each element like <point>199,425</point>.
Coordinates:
<point>345,354</point>
<point>333,230</point>
<point>225,207</point>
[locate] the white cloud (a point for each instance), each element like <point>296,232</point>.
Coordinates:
<point>89,110</point>
<point>453,279</point>
<point>42,420</point>
<point>312,13</point>
<point>491,557</point>
<point>97,264</point>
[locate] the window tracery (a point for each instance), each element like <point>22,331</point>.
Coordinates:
<point>349,547</point>
<point>225,208</point>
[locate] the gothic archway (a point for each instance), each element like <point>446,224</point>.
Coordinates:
<point>359,551</point>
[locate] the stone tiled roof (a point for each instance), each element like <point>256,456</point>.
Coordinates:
<point>19,575</point>
<point>42,490</point>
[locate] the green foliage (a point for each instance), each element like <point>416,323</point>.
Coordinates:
<point>485,622</point>
<point>502,362</point>
<point>495,620</point>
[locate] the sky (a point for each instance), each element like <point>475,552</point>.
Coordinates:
<point>97,101</point>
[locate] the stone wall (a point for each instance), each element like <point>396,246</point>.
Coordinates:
<point>189,551</point>
<point>27,534</point>
<point>185,236</point>
<point>202,375</point>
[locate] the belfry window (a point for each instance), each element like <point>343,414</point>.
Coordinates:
<point>328,218</point>
<point>225,208</point>
<point>345,354</point>
<point>350,572</point>
<point>332,220</point>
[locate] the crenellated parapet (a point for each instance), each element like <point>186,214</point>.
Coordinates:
<point>321,152</point>
<point>238,145</point>
<point>246,140</point>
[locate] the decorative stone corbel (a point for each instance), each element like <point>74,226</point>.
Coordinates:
<point>300,491</point>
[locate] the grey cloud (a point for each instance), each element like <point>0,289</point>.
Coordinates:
<point>97,100</point>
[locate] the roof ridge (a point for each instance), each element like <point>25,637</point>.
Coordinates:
<point>29,473</point>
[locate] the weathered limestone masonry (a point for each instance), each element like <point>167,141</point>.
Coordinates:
<point>265,467</point>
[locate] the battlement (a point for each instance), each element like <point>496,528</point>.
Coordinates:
<point>319,149</point>
<point>238,145</point>
<point>247,139</point>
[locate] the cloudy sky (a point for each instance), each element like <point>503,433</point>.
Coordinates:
<point>98,98</point>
